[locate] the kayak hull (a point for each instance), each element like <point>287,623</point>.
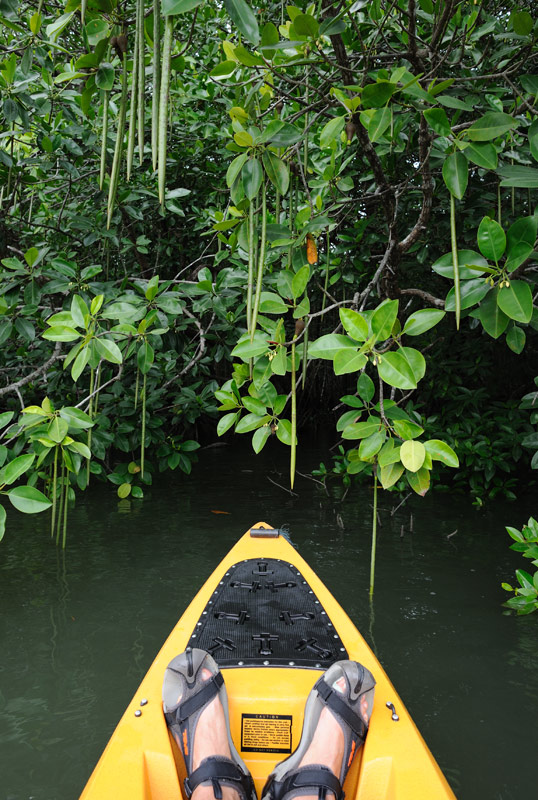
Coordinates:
<point>266,706</point>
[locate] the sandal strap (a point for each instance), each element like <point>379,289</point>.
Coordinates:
<point>318,778</point>
<point>196,702</point>
<point>340,707</point>
<point>217,769</point>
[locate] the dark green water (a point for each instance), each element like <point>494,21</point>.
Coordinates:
<point>78,631</point>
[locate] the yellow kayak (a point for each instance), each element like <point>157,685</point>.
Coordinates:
<point>273,628</point>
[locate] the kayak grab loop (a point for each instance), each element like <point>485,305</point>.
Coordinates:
<point>264,613</point>
<point>394,716</point>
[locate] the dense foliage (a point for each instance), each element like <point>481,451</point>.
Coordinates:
<point>260,202</point>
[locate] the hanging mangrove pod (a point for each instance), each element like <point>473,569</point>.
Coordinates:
<point>156,68</point>
<point>143,436</point>
<point>131,136</point>
<point>54,491</point>
<point>251,263</point>
<point>454,243</point>
<point>374,535</point>
<point>90,414</point>
<point>305,152</point>
<point>293,444</point>
<point>141,81</point>
<point>163,106</point>
<point>136,388</point>
<point>83,4</point>
<point>116,163</point>
<point>327,265</point>
<point>261,264</point>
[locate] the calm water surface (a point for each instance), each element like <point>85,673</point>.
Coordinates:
<point>78,631</point>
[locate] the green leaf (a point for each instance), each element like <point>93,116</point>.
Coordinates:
<point>80,447</point>
<point>244,19</point>
<point>331,131</point>
<point>484,155</point>
<point>235,168</point>
<point>361,430</point>
<point>79,311</point>
<point>269,36</point>
<point>252,176</point>
<point>96,30</point>
<point>471,293</point>
<point>281,134</point>
<point>491,125</point>
<point>244,139</point>
<point>172,7</point>
<point>76,418</point>
<point>493,319</point>
<point>491,239</point>
<point>516,301</point>
<point>61,333</point>
<point>515,339</point>
<point>277,171</point>
<point>354,324</point>
<point>124,490</point>
<point>438,120</point>
<point>6,417</point>
<point>383,319</point>
<point>306,25</point>
<point>406,429</point>
<point>520,239</point>
<point>327,346</point>
<point>348,360</point>
<point>422,320</point>
<point>223,70</point>
<point>226,422</point>
<point>245,349</point>
<point>390,474</point>
<point>2,522</point>
<point>57,430</point>
<point>412,455</point>
<point>521,22</point>
<point>519,176</point>
<point>300,281</point>
<point>283,431</point>
<point>104,77</point>
<point>365,387</point>
<point>137,492</point>
<point>466,259</point>
<point>145,357</point>
<point>419,481</point>
<point>271,303</point>
<point>108,350</point>
<point>378,124</point>
<point>260,437</point>
<point>377,95</point>
<point>456,174</point>
<point>394,369</point>
<point>28,500</point>
<point>371,445</point>
<point>13,471</point>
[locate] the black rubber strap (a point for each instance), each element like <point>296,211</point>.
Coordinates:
<point>318,778</point>
<point>341,708</point>
<point>216,770</point>
<point>197,701</point>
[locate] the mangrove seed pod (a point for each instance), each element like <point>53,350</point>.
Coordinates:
<point>351,129</point>
<point>299,327</point>
<point>311,249</point>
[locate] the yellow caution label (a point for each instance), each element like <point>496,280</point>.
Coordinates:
<point>266,733</point>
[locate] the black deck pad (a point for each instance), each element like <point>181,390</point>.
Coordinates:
<point>263,612</point>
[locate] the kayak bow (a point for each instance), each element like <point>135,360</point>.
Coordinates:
<point>273,628</point>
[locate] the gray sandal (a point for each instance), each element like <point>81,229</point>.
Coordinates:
<point>288,779</point>
<point>183,680</point>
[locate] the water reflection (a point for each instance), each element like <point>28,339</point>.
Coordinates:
<point>79,630</point>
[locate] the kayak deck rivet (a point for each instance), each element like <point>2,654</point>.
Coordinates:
<point>240,663</point>
<point>329,624</point>
<point>266,663</point>
<point>138,713</point>
<point>318,666</point>
<point>143,702</point>
<point>292,663</point>
<point>342,649</point>
<point>335,636</point>
<point>193,636</point>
